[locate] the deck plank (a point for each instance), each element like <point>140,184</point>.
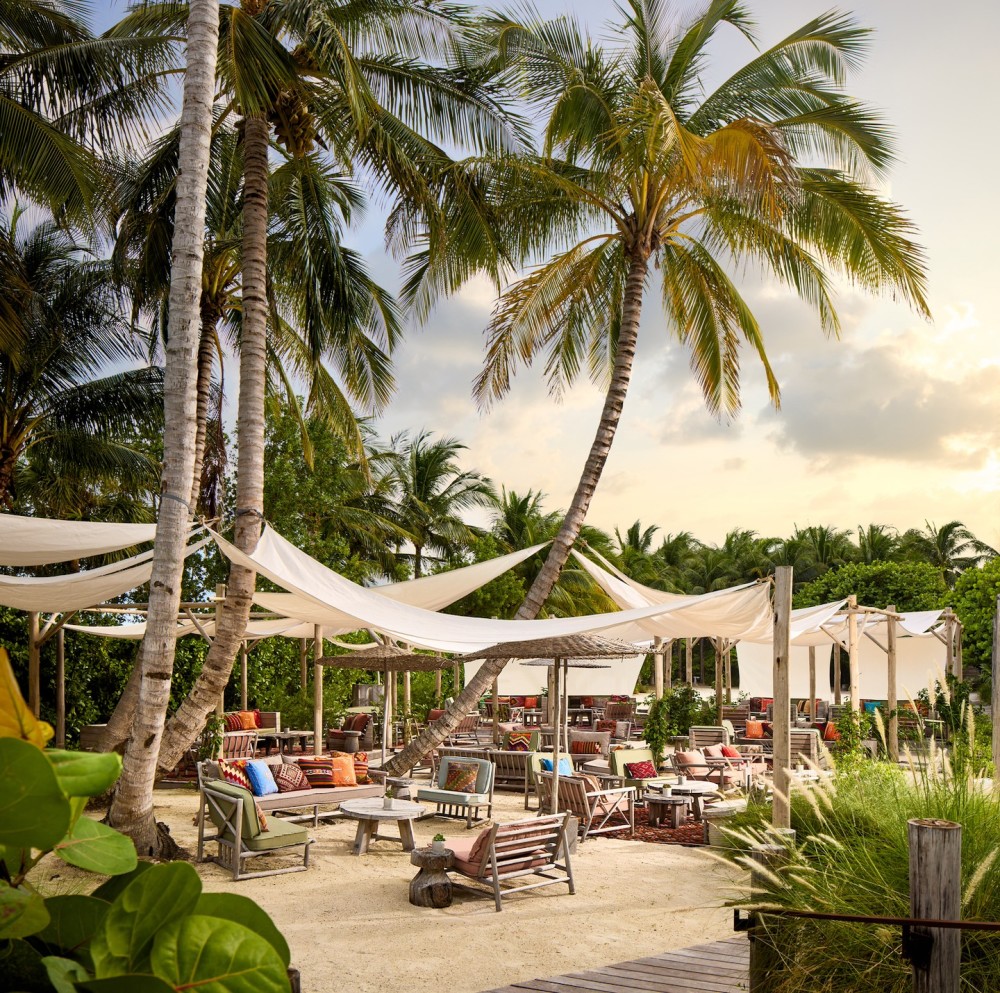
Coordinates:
<point>718,967</point>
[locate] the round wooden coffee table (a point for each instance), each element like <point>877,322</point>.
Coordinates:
<point>697,790</point>
<point>431,887</point>
<point>672,809</point>
<point>371,812</point>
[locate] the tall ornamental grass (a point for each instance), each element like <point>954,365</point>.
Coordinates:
<point>851,856</point>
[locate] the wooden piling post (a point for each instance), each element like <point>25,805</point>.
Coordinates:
<point>243,675</point>
<point>892,700</point>
<point>667,661</point>
<point>318,741</point>
<point>781,814</point>
<point>852,650</point>
<point>720,675</point>
<point>727,669</point>
<point>61,688</point>
<point>812,684</point>
<point>935,893</point>
<point>837,676</point>
<point>304,662</point>
<point>765,958</point>
<point>689,661</point>
<point>34,664</point>
<point>658,667</point>
<point>495,698</point>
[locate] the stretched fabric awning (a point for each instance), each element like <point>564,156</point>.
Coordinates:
<point>74,591</point>
<point>28,541</point>
<point>342,606</point>
<point>429,592</point>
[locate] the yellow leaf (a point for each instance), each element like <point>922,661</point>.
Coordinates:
<point>16,719</point>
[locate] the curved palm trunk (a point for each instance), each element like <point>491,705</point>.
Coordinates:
<point>132,806</point>
<point>611,413</point>
<point>190,717</point>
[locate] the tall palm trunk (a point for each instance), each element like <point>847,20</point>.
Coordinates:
<point>132,807</point>
<point>611,413</point>
<point>190,717</point>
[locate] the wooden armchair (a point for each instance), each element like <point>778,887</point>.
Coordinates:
<point>239,744</point>
<point>458,803</point>
<point>699,737</point>
<point>598,810</point>
<point>515,857</point>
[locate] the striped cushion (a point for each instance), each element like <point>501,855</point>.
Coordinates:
<point>261,817</point>
<point>289,778</point>
<point>461,777</point>
<point>342,767</point>
<point>361,767</point>
<point>232,722</point>
<point>585,748</point>
<point>319,771</point>
<point>235,773</point>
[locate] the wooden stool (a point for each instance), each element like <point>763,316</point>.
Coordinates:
<point>431,886</point>
<point>667,808</point>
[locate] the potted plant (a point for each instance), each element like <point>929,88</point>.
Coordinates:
<point>390,792</point>
<point>437,844</point>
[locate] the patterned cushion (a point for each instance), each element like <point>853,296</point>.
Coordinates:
<point>531,702</point>
<point>232,722</point>
<point>261,780</point>
<point>755,729</point>
<point>565,766</point>
<point>342,767</point>
<point>233,772</point>
<point>318,770</point>
<point>640,770</point>
<point>585,748</point>
<point>461,777</point>
<point>248,722</point>
<point>361,767</point>
<point>611,726</point>
<point>261,816</point>
<point>289,778</point>
<point>519,741</point>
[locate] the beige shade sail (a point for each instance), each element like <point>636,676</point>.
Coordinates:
<point>26,541</point>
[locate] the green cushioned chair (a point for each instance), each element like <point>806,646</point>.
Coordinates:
<point>232,812</point>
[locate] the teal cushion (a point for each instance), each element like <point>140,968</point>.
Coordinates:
<point>565,766</point>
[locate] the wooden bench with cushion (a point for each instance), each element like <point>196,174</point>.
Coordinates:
<point>515,857</point>
<point>463,803</point>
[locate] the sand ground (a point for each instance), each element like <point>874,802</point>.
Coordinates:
<point>351,927</point>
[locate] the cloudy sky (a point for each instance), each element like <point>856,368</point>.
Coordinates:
<point>895,423</point>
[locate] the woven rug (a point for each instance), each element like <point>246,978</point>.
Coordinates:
<point>691,833</point>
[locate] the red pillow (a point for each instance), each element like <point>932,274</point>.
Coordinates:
<point>289,778</point>
<point>731,753</point>
<point>640,770</point>
<point>831,733</point>
<point>585,748</point>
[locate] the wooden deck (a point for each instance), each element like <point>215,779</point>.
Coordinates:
<point>720,967</point>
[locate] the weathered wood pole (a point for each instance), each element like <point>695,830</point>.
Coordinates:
<point>220,599</point>
<point>658,667</point>
<point>995,699</point>
<point>949,642</point>
<point>812,684</point>
<point>892,701</point>
<point>765,957</point>
<point>437,682</point>
<point>689,661</point>
<point>61,689</point>
<point>34,664</point>
<point>318,741</point>
<point>556,748</point>
<point>727,669</point>
<point>936,894</point>
<point>456,679</point>
<point>304,662</point>
<point>781,814</point>
<point>495,697</point>
<point>720,677</point>
<point>667,658</point>
<point>837,675</point>
<point>243,675</point>
<point>407,694</point>
<point>852,650</point>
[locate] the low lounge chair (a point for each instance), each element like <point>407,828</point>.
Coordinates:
<point>598,810</point>
<point>462,804</point>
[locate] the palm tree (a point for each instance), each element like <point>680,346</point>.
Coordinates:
<point>634,554</point>
<point>61,402</point>
<point>432,491</point>
<point>952,548</point>
<point>642,174</point>
<point>877,543</point>
<point>132,807</point>
<point>826,547</point>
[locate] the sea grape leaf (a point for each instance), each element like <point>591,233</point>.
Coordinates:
<point>21,970</point>
<point>216,956</point>
<point>34,813</point>
<point>97,847</point>
<point>22,912</point>
<point>158,896</point>
<point>16,718</point>
<point>243,910</point>
<point>112,888</point>
<point>64,973</point>
<point>74,919</point>
<point>130,983</point>
<point>85,773</point>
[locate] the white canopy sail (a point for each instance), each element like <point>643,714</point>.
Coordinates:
<point>28,541</point>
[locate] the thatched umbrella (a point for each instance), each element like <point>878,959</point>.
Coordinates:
<point>581,647</point>
<point>385,658</point>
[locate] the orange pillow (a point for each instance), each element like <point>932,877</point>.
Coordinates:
<point>248,720</point>
<point>830,732</point>
<point>755,729</point>
<point>342,767</point>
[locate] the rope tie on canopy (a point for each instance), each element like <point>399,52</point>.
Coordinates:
<point>173,496</point>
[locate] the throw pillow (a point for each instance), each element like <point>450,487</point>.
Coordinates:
<point>481,846</point>
<point>755,729</point>
<point>289,778</point>
<point>256,718</point>
<point>361,768</point>
<point>640,770</point>
<point>713,751</point>
<point>233,772</point>
<point>261,817</point>
<point>247,721</point>
<point>611,726</point>
<point>261,779</point>
<point>342,767</point>
<point>319,771</point>
<point>232,722</point>
<point>592,782</point>
<point>519,741</point>
<point>565,766</point>
<point>830,732</point>
<point>461,777</point>
<point>585,748</point>
<point>731,753</point>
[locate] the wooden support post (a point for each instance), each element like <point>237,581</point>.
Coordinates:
<point>935,894</point>
<point>392,679</point>
<point>61,689</point>
<point>837,675</point>
<point>495,697</point>
<point>727,670</point>
<point>304,662</point>
<point>689,661</point>
<point>995,699</point>
<point>853,651</point>
<point>220,598</point>
<point>437,683</point>
<point>668,663</point>
<point>318,740</point>
<point>719,678</point>
<point>812,684</point>
<point>781,814</point>
<point>550,706</point>
<point>407,694</point>
<point>892,702</point>
<point>658,667</point>
<point>765,957</point>
<point>949,642</point>
<point>556,749</point>
<point>243,675</point>
<point>34,664</point>
<point>456,679</point>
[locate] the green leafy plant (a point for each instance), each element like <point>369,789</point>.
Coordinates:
<point>210,743</point>
<point>854,728</point>
<point>438,837</point>
<point>147,929</point>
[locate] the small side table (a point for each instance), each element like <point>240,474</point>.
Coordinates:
<point>672,809</point>
<point>431,886</point>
